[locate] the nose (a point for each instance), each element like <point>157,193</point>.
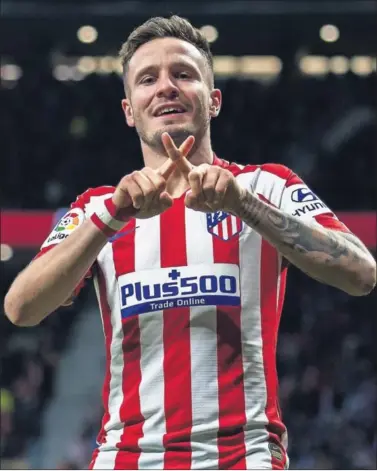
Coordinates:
<point>167,88</point>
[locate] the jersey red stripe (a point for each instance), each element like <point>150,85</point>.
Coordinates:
<point>230,374</point>
<point>293,179</point>
<point>327,220</point>
<point>94,457</point>
<point>106,321</point>
<point>107,328</point>
<point>229,227</point>
<point>270,324</point>
<point>177,363</point>
<point>130,412</point>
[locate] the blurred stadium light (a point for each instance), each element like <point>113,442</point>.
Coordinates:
<point>87,34</point>
<point>210,32</point>
<point>329,33</point>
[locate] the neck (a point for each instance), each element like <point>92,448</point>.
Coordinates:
<point>176,184</point>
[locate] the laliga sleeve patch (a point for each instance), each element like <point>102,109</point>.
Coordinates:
<point>67,224</point>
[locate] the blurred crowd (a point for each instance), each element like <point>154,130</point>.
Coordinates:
<point>28,359</point>
<point>60,138</point>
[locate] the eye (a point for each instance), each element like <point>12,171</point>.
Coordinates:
<point>147,80</point>
<point>183,75</point>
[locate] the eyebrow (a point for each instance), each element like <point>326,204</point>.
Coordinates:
<point>142,71</point>
<point>152,68</point>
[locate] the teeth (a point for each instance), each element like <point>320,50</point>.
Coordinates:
<point>170,110</point>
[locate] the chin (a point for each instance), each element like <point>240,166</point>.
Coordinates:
<point>178,133</point>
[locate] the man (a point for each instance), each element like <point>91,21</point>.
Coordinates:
<point>189,260</point>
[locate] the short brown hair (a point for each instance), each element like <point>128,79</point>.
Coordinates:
<point>160,27</point>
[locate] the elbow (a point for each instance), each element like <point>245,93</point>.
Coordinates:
<point>17,314</point>
<point>364,279</point>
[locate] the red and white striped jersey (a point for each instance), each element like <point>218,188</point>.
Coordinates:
<point>190,305</point>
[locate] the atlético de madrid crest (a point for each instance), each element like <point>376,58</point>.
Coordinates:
<point>223,225</point>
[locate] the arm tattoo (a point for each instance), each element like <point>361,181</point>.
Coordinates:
<point>324,254</point>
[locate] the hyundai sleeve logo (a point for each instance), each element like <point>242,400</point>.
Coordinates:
<point>303,195</point>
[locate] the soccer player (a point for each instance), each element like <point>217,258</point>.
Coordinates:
<point>189,259</point>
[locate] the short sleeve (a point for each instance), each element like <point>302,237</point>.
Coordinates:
<point>78,212</point>
<point>301,202</point>
<point>66,225</point>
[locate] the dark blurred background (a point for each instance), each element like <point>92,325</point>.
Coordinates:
<point>299,85</point>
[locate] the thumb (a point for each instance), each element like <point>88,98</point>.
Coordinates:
<point>166,199</point>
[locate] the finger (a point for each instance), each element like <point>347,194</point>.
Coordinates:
<point>191,201</point>
<point>166,200</point>
<point>195,179</point>
<point>176,155</point>
<point>159,183</point>
<point>156,178</point>
<point>221,187</point>
<point>171,149</point>
<point>169,166</point>
<point>186,146</point>
<point>122,186</point>
<point>209,183</point>
<point>151,184</point>
<point>194,203</point>
<point>135,192</point>
<point>166,169</point>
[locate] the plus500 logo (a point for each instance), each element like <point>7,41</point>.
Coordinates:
<point>185,287</point>
<point>180,286</point>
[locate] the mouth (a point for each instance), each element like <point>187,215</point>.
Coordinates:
<point>170,112</point>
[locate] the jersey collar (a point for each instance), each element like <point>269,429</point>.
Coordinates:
<point>219,162</point>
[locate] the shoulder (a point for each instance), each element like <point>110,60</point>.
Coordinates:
<point>269,174</point>
<point>268,180</point>
<point>277,170</point>
<point>91,197</point>
<point>270,169</point>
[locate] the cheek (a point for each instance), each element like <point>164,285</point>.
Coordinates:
<point>199,99</point>
<point>203,105</point>
<point>140,103</point>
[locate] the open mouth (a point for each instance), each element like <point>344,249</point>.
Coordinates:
<point>170,111</point>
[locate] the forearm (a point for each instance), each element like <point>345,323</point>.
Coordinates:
<point>326,255</point>
<point>50,280</point>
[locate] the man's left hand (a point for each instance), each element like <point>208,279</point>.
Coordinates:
<point>212,188</point>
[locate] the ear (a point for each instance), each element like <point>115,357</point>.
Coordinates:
<point>128,112</point>
<point>215,102</point>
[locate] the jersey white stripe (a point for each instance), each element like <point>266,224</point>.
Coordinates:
<point>147,256</point>
<point>271,187</point>
<point>224,224</point>
<point>108,451</point>
<point>203,354</point>
<point>95,204</point>
<point>234,224</point>
<point>104,215</point>
<point>265,183</point>
<point>254,379</point>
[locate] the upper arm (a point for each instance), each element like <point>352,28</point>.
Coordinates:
<point>72,219</point>
<point>301,202</point>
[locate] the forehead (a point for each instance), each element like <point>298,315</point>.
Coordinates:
<point>164,51</point>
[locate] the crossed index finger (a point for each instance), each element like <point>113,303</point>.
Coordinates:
<point>178,156</point>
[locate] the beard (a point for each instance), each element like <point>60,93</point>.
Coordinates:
<point>179,133</point>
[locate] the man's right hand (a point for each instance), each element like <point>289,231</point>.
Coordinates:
<point>142,194</point>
